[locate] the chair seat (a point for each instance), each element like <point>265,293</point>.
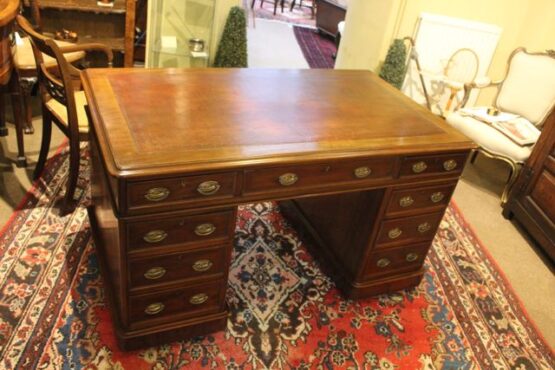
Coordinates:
<point>489,138</point>
<point>60,111</point>
<point>24,59</point>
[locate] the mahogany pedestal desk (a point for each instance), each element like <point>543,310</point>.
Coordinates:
<point>175,151</point>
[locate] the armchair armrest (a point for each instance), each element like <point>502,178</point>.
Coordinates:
<point>90,47</point>
<point>479,83</point>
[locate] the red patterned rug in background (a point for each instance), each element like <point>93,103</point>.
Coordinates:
<point>285,313</point>
<point>318,50</point>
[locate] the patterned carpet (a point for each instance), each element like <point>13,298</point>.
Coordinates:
<point>318,50</point>
<point>285,313</point>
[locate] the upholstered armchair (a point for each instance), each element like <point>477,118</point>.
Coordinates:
<point>528,90</point>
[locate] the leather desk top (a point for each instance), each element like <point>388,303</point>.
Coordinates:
<point>186,120</point>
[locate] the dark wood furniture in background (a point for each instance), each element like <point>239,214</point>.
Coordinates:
<point>328,15</point>
<point>9,79</point>
<point>532,200</point>
<point>111,26</point>
<point>371,173</point>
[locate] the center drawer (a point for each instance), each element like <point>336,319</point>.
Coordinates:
<point>178,266</point>
<point>164,231</point>
<point>288,178</point>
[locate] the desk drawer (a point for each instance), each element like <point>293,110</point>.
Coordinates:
<point>180,230</point>
<point>188,301</point>
<point>395,260</point>
<point>419,199</point>
<point>168,268</point>
<point>181,189</point>
<point>409,229</point>
<point>445,164</point>
<point>293,177</point>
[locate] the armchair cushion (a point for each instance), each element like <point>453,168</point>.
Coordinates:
<point>60,111</point>
<point>528,89</point>
<point>489,138</point>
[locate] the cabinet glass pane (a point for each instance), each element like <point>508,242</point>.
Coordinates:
<point>179,33</point>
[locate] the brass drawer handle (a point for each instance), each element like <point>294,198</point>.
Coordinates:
<point>157,194</point>
<point>394,233</point>
<point>154,308</point>
<point>208,187</point>
<point>437,197</point>
<point>406,201</point>
<point>362,172</point>
<point>205,229</point>
<point>450,165</point>
<point>198,299</point>
<point>288,179</point>
<point>155,273</point>
<point>411,257</point>
<point>202,265</point>
<point>419,167</point>
<point>383,262</point>
<point>422,228</point>
<point>155,236</point>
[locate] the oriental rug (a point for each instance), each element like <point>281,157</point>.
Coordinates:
<point>318,50</point>
<point>285,312</point>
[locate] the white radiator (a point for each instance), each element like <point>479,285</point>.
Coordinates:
<point>436,39</point>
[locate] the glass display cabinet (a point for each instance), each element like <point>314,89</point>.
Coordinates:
<point>179,33</point>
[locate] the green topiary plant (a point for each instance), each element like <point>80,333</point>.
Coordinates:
<point>393,69</point>
<point>232,50</point>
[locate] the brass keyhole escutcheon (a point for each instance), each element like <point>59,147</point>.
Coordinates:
<point>423,227</point>
<point>437,197</point>
<point>288,179</point>
<point>205,229</point>
<point>157,194</point>
<point>419,167</point>
<point>154,308</point>
<point>383,262</point>
<point>394,233</point>
<point>411,257</point>
<point>198,299</point>
<point>406,201</point>
<point>450,165</point>
<point>202,265</point>
<point>155,273</point>
<point>155,236</point>
<point>208,187</point>
<point>362,172</point>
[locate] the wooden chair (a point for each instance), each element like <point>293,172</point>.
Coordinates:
<point>528,91</point>
<point>62,101</point>
<point>25,62</point>
<point>311,5</point>
<point>9,77</point>
<point>276,2</point>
